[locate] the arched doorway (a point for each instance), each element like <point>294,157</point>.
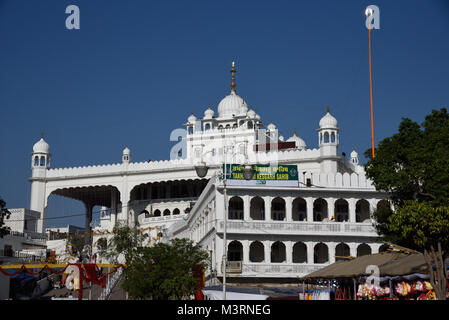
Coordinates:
<point>235,251</point>
<point>299,253</point>
<point>277,252</point>
<point>235,208</point>
<point>256,252</point>
<point>299,209</point>
<point>320,253</point>
<point>257,208</point>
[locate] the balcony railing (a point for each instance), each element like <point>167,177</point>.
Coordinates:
<point>299,227</point>
<point>234,267</point>
<point>272,269</point>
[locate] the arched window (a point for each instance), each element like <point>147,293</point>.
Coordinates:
<point>320,253</point>
<point>362,213</point>
<point>333,137</point>
<point>278,209</point>
<point>341,210</point>
<point>256,252</point>
<point>326,137</point>
<point>384,247</point>
<point>277,252</point>
<point>257,208</point>
<point>220,127</point>
<point>36,161</point>
<point>299,253</point>
<point>319,209</point>
<point>190,130</point>
<point>166,212</point>
<point>42,163</point>
<point>228,126</point>
<point>157,213</point>
<point>363,250</point>
<point>341,250</point>
<point>207,126</point>
<point>234,125</point>
<point>250,125</point>
<point>176,211</point>
<point>235,251</point>
<point>236,208</point>
<point>299,209</point>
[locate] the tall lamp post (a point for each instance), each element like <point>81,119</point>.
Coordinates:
<point>201,170</point>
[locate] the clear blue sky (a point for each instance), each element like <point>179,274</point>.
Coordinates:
<point>137,69</point>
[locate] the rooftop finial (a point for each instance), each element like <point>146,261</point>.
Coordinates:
<point>233,71</point>
<point>294,131</point>
<point>42,135</point>
<point>327,109</point>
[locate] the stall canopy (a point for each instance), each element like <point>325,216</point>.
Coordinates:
<point>390,263</point>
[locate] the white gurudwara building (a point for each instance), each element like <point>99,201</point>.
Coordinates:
<point>303,208</point>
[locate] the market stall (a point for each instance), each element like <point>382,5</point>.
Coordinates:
<point>390,275</point>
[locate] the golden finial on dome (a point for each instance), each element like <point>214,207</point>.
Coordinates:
<point>233,71</point>
<point>42,135</point>
<point>294,131</point>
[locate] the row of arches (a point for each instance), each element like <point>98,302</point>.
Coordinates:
<point>159,213</point>
<point>39,161</point>
<point>299,252</point>
<point>299,209</point>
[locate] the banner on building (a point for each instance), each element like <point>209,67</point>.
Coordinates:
<point>264,174</point>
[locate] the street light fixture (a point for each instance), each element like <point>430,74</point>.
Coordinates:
<point>201,170</point>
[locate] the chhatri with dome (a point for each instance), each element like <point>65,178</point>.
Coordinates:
<point>275,230</point>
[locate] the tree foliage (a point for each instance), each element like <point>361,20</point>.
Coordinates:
<point>413,164</point>
<point>4,214</point>
<point>420,225</point>
<point>124,242</point>
<point>164,270</point>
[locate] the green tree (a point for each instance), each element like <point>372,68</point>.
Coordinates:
<point>164,270</point>
<point>412,166</point>
<point>4,214</point>
<point>124,242</point>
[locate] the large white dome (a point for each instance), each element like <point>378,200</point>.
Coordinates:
<point>231,105</point>
<point>41,146</point>
<point>328,121</point>
<point>299,143</point>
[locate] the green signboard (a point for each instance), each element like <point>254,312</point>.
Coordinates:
<point>263,172</point>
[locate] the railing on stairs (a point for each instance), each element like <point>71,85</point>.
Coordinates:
<point>111,282</point>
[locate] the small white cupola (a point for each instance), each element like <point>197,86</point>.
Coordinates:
<point>40,157</point>
<point>126,157</point>
<point>328,131</point>
<point>354,157</point>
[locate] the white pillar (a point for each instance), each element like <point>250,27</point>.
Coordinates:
<point>353,249</point>
<point>246,208</point>
<point>267,201</point>
<point>310,251</point>
<point>351,208</point>
<point>331,249</point>
<point>267,251</point>
<point>330,208</point>
<point>288,208</point>
<point>288,251</point>
<point>309,202</point>
<point>245,245</point>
